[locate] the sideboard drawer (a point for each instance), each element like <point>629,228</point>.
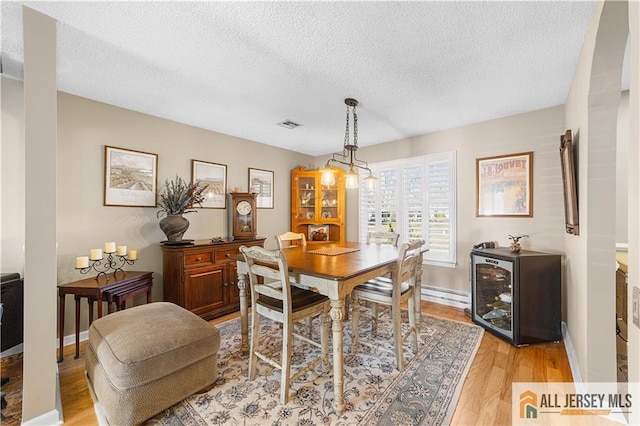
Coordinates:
<point>222,255</point>
<point>199,259</point>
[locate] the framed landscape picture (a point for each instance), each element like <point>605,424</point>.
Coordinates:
<point>504,185</point>
<point>213,177</point>
<point>261,183</point>
<point>130,177</point>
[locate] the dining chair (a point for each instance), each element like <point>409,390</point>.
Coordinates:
<point>383,237</point>
<point>294,239</point>
<point>277,300</point>
<point>290,239</point>
<point>398,291</point>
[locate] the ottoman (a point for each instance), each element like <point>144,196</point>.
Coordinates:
<point>145,359</point>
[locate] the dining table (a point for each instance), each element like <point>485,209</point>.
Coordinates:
<point>333,269</point>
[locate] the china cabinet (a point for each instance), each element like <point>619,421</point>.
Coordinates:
<point>517,296</point>
<point>317,210</point>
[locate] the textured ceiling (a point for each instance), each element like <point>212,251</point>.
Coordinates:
<point>241,67</point>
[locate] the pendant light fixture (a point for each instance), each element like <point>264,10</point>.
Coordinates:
<point>348,155</point>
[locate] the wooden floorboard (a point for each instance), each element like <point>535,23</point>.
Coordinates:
<point>485,398</point>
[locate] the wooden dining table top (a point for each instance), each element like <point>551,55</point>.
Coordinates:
<point>365,257</point>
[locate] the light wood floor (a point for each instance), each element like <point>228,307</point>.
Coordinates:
<point>485,397</point>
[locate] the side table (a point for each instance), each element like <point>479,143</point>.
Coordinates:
<point>117,289</point>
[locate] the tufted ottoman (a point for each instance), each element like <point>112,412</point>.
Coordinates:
<point>145,359</point>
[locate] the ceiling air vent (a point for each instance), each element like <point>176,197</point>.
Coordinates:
<point>288,124</point>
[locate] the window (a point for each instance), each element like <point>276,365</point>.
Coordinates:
<point>415,197</point>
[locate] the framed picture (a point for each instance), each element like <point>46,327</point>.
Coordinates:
<point>569,184</point>
<point>504,185</point>
<point>318,233</point>
<point>213,177</point>
<point>130,177</point>
<point>261,182</point>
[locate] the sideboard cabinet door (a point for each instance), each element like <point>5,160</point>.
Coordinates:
<point>201,277</point>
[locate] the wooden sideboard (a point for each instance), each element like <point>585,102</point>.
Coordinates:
<point>201,278</point>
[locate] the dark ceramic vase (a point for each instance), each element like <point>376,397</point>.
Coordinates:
<point>174,226</point>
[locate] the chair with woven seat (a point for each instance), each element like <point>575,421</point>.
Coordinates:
<point>290,239</point>
<point>279,301</point>
<point>399,290</point>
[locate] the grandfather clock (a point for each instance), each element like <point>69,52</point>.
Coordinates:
<point>242,215</point>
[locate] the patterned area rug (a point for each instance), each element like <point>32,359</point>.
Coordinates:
<point>426,393</point>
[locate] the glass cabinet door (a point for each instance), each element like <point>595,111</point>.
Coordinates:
<point>329,202</point>
<point>307,197</point>
<point>492,281</point>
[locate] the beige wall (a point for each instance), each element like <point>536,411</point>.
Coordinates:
<point>622,170</point>
<point>39,372</point>
<point>591,112</point>
<point>85,127</point>
<point>83,222</point>
<point>537,131</point>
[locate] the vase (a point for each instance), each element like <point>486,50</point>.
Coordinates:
<point>174,226</point>
<point>514,247</point>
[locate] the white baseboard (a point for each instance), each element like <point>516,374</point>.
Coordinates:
<point>571,354</point>
<point>51,418</point>
<point>17,349</point>
<point>445,296</point>
<point>71,339</point>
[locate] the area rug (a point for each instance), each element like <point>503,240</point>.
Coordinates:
<point>426,393</point>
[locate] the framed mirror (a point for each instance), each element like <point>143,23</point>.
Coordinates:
<point>569,184</point>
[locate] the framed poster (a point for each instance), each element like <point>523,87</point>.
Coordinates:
<point>213,177</point>
<point>130,177</point>
<point>261,183</point>
<point>570,189</point>
<point>504,185</point>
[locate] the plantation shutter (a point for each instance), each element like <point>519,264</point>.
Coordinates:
<point>416,198</point>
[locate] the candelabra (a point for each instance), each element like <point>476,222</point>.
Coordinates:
<point>114,261</point>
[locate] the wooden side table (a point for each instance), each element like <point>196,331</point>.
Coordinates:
<point>117,289</point>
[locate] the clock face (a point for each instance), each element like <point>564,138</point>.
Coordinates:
<point>243,207</point>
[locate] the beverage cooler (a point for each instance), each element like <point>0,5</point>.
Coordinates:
<point>517,296</point>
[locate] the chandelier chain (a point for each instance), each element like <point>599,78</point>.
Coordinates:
<point>355,126</point>
<point>346,130</point>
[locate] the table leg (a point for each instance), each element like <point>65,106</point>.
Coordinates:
<point>61,325</point>
<point>77,355</point>
<point>99,301</point>
<point>244,312</point>
<point>337,315</point>
<point>90,303</point>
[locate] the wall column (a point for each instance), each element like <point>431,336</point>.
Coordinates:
<point>40,271</point>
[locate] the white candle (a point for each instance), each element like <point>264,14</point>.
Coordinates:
<point>121,251</point>
<point>133,255</point>
<point>82,262</point>
<point>110,247</point>
<point>96,254</point>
